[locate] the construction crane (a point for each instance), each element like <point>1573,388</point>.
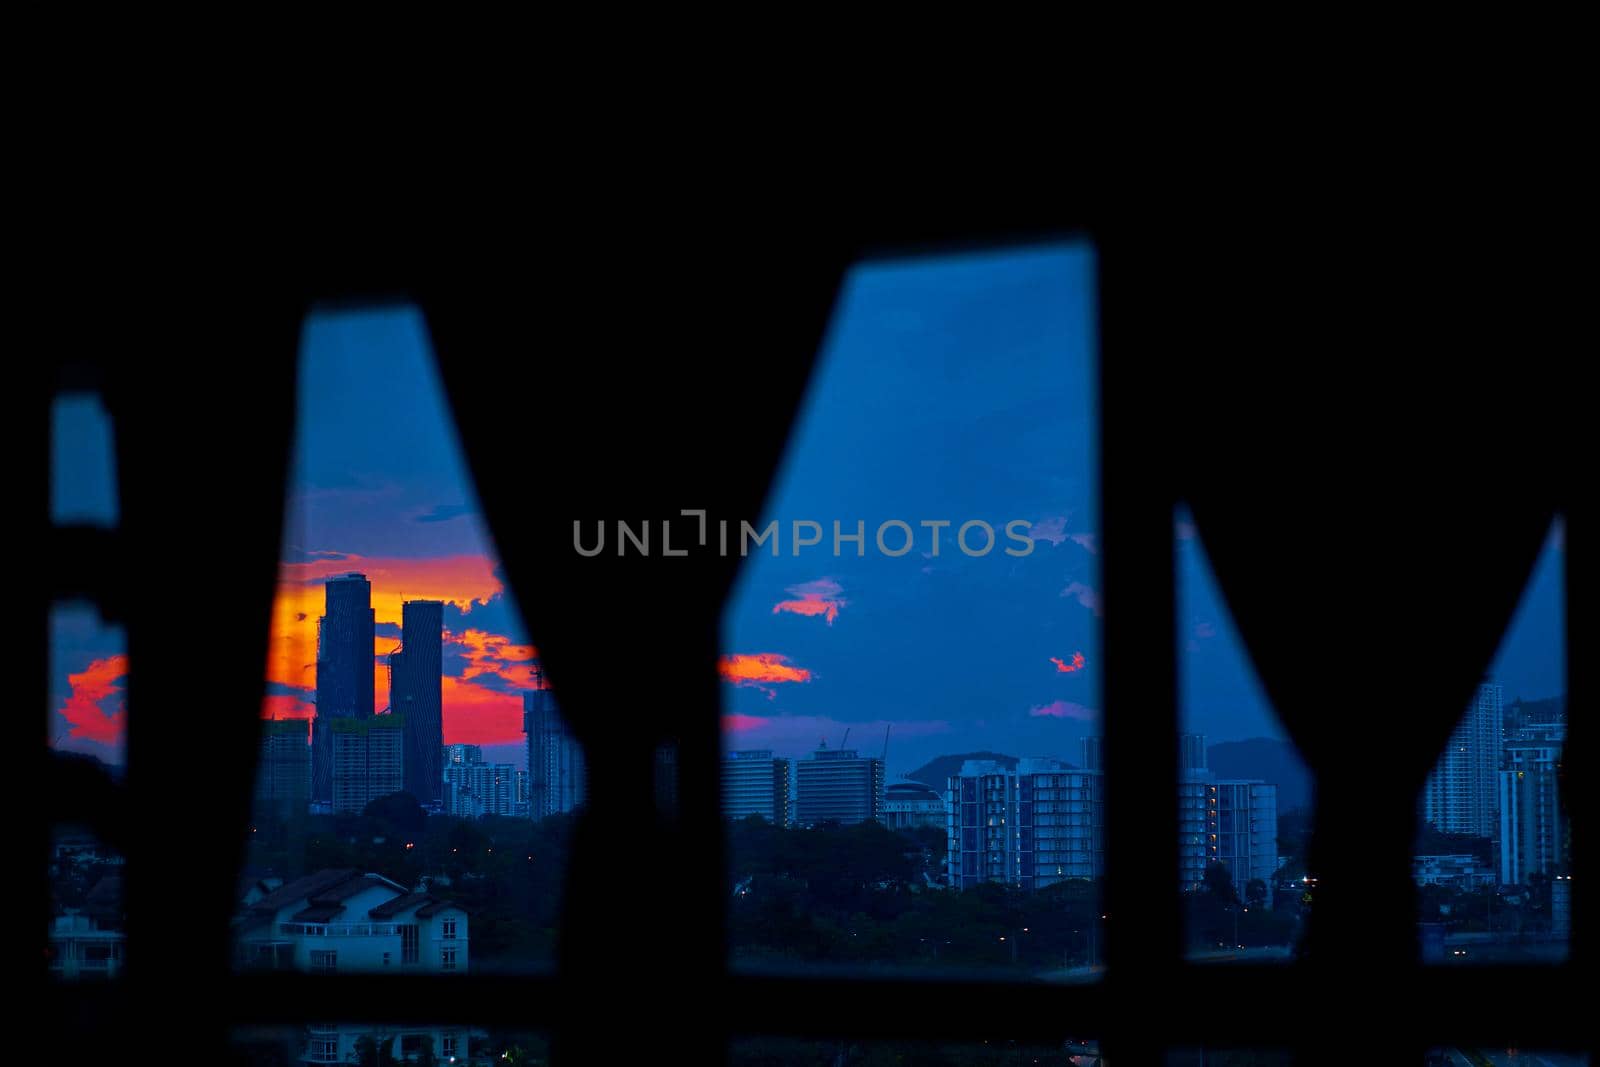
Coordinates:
<point>846,737</point>
<point>886,727</point>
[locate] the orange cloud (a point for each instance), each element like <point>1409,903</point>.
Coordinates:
<point>299,602</point>
<point>482,706</point>
<point>486,653</point>
<point>95,705</point>
<point>459,580</point>
<point>1067,668</point>
<point>820,597</point>
<point>760,668</point>
<point>760,671</point>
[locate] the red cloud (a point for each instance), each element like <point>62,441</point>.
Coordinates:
<point>1067,668</point>
<point>86,705</point>
<point>474,715</point>
<point>760,671</point>
<point>1062,709</point>
<point>820,597</point>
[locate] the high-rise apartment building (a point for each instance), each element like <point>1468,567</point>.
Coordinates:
<point>344,670</point>
<point>1042,822</point>
<point>1242,830</point>
<point>1231,821</point>
<point>1031,826</point>
<point>520,795</point>
<point>837,785</point>
<point>477,789</point>
<point>455,755</point>
<point>283,775</point>
<point>755,782</point>
<point>1460,796</point>
<point>368,760</point>
<point>556,775</point>
<point>416,691</point>
<point>1531,837</point>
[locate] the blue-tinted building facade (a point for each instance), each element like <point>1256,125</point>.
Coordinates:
<point>344,671</point>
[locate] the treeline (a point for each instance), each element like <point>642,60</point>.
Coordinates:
<point>857,895</point>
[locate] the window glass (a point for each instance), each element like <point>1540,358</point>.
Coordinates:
<point>1244,795</point>
<point>410,737</point>
<point>1493,854</point>
<point>923,625</point>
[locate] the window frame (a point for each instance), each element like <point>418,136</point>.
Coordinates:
<point>1138,492</point>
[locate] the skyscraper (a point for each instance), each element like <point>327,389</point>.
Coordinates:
<point>556,778</point>
<point>283,777</point>
<point>1460,795</point>
<point>755,782</point>
<point>837,785</point>
<point>416,683</point>
<point>344,671</point>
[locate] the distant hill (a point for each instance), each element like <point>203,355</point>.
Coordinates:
<point>1271,761</point>
<point>937,771</point>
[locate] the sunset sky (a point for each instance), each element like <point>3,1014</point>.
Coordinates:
<point>953,388</point>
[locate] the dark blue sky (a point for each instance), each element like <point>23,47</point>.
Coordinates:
<point>956,388</point>
<point>962,387</point>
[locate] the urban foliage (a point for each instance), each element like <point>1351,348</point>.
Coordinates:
<point>507,873</point>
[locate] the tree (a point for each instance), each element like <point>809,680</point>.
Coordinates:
<point>373,1051</point>
<point>1218,883</point>
<point>399,811</point>
<point>1255,893</point>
